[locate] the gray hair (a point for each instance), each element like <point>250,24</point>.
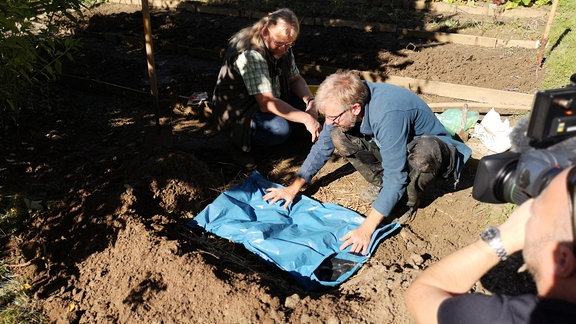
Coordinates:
<point>343,89</point>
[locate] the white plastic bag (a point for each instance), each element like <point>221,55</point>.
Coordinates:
<point>493,132</point>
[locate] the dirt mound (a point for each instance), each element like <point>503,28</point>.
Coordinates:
<point>145,278</point>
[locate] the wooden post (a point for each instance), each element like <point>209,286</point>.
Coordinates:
<point>544,39</point>
<point>150,58</point>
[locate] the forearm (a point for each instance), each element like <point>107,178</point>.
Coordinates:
<point>319,154</point>
<point>300,88</point>
<point>373,219</point>
<point>297,184</point>
<point>281,108</point>
<point>454,275</point>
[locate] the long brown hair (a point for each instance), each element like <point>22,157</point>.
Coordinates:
<point>250,37</point>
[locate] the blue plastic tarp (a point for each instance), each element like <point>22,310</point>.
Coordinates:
<point>302,240</point>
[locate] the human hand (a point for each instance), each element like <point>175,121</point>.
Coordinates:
<point>311,109</point>
<point>358,238</point>
<point>314,127</point>
<point>276,194</point>
<point>513,230</point>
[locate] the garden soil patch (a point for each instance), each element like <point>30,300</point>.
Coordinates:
<point>112,179</point>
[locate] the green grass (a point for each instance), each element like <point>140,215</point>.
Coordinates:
<point>15,304</point>
<point>560,55</point>
<point>13,213</point>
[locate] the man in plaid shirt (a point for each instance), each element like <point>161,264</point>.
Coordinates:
<point>257,81</point>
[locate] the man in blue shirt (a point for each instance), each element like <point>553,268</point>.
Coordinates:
<point>389,135</point>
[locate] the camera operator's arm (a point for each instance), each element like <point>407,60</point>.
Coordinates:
<point>457,273</point>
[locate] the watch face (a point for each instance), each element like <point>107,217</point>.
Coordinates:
<point>490,233</point>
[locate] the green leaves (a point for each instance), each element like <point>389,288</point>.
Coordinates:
<point>32,50</point>
<point>511,4</point>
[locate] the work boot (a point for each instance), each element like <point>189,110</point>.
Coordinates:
<point>369,194</point>
<point>413,195</point>
<point>408,216</point>
<point>418,181</point>
<point>414,199</point>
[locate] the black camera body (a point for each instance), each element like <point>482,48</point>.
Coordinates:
<point>543,149</point>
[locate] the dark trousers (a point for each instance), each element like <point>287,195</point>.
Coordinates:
<point>428,158</point>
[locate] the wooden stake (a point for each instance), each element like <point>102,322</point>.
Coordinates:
<point>150,58</point>
<point>544,40</point>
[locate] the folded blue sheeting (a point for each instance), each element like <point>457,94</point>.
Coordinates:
<point>303,240</point>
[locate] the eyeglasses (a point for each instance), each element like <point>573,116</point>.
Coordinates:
<point>281,44</point>
<point>333,119</point>
<point>571,183</point>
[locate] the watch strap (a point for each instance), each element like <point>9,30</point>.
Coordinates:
<point>308,102</point>
<point>498,247</point>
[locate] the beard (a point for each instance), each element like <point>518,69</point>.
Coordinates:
<point>348,123</point>
<point>278,53</point>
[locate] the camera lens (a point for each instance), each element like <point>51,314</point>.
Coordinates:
<point>533,173</point>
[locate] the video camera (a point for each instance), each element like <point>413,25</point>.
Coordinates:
<point>541,152</point>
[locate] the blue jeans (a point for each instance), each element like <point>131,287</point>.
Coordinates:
<point>269,129</point>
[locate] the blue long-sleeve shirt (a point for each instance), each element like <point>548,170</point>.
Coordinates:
<point>393,116</point>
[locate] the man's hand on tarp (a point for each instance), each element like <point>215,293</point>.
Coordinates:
<point>287,193</point>
<point>359,239</point>
<point>276,194</point>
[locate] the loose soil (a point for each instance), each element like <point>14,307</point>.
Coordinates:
<point>112,179</point>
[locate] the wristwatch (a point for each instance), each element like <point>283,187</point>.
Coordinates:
<point>491,235</point>
<point>308,102</point>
